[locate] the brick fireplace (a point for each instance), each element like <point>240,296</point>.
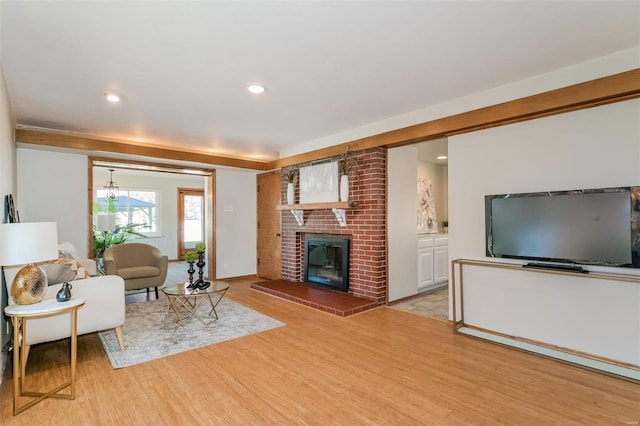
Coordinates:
<point>366,229</point>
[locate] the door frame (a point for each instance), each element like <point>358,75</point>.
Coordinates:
<point>193,192</point>
<point>209,176</point>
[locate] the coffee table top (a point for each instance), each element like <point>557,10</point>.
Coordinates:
<point>182,290</point>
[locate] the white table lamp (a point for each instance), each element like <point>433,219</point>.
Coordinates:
<point>106,223</point>
<point>27,243</point>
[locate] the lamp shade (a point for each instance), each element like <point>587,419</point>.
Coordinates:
<point>106,222</point>
<point>28,242</point>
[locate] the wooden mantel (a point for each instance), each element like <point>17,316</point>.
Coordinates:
<point>319,206</point>
<point>339,209</point>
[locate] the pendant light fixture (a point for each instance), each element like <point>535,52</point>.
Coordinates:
<point>111,189</point>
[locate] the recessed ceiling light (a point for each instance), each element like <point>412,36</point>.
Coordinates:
<point>255,88</point>
<point>112,97</point>
<point>441,157</point>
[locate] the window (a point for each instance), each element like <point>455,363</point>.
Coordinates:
<point>135,206</point>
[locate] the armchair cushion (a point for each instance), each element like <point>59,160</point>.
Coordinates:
<point>138,272</point>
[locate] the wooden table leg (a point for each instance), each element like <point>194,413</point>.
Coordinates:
<point>17,363</point>
<point>74,350</point>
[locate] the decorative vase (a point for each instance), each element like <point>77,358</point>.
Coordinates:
<point>344,188</point>
<point>191,270</point>
<point>200,284</point>
<point>290,193</point>
<point>65,293</point>
<point>29,285</point>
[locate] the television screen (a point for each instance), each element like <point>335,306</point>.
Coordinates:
<point>581,226</point>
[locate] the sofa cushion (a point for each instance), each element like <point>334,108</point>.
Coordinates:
<point>138,272</point>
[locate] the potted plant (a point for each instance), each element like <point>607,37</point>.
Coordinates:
<point>445,226</point>
<point>102,240</point>
<point>345,165</point>
<point>290,176</point>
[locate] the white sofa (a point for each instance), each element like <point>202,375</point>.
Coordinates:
<point>103,310</point>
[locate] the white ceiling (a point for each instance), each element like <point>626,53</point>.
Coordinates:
<point>182,67</point>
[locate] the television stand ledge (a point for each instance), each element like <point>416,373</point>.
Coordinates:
<point>516,266</point>
<point>597,363</point>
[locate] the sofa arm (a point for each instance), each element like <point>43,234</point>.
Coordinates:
<point>89,265</point>
<point>103,310</point>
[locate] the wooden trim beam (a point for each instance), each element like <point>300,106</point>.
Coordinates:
<point>64,140</point>
<point>606,90</point>
<point>602,91</point>
<point>149,166</point>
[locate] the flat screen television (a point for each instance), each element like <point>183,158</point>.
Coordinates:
<point>576,227</point>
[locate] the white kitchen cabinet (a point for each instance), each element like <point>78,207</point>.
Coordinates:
<point>425,262</point>
<point>433,261</point>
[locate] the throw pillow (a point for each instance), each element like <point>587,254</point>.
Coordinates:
<point>68,250</point>
<point>58,271</point>
<point>64,270</point>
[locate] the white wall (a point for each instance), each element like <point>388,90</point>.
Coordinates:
<point>167,184</point>
<point>7,145</point>
<point>402,238</point>
<point>597,147</point>
<point>236,218</point>
<point>7,186</point>
<point>52,187</point>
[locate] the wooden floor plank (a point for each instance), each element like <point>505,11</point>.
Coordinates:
<point>381,367</point>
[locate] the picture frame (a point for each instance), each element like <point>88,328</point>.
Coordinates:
<point>319,183</point>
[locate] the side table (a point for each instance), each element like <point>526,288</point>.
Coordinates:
<point>19,315</point>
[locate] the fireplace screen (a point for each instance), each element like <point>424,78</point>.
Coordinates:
<point>327,262</point>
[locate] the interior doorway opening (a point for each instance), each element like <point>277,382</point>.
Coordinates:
<point>169,217</point>
<point>191,227</point>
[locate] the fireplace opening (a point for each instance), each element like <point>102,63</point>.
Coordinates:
<point>327,262</point>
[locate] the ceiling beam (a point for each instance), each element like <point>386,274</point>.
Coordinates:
<point>93,144</point>
<point>606,90</point>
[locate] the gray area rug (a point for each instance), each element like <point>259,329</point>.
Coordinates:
<point>150,331</point>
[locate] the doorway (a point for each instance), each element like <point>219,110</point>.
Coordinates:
<point>157,175</point>
<point>190,219</point>
<point>417,234</point>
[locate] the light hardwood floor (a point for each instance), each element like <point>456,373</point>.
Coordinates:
<point>380,367</point>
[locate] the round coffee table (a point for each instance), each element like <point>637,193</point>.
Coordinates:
<point>179,297</point>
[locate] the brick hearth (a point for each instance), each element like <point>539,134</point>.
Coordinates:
<point>331,301</point>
